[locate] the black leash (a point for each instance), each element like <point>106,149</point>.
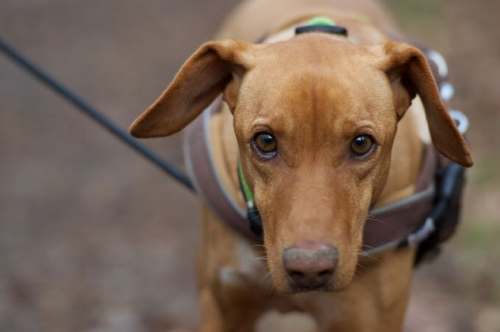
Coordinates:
<point>95,114</point>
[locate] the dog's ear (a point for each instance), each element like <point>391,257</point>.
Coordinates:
<point>214,68</point>
<point>409,74</point>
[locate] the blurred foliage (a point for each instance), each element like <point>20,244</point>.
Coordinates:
<point>419,17</point>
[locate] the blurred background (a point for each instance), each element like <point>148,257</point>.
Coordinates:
<point>94,238</point>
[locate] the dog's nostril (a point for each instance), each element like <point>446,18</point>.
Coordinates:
<point>325,273</point>
<point>295,274</point>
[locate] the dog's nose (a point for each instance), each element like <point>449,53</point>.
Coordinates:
<point>310,266</point>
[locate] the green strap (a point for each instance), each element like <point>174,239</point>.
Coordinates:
<point>246,189</point>
<point>321,20</point>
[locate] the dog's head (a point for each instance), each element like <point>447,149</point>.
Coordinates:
<point>315,119</point>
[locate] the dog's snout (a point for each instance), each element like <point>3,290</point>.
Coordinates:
<point>312,266</point>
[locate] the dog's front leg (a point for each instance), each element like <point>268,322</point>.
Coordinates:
<point>212,318</point>
<point>220,314</point>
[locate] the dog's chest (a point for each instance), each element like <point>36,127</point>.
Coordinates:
<point>249,269</point>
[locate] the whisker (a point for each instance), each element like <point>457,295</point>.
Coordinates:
<point>369,256</point>
<point>375,218</point>
<point>264,259</point>
<point>358,265</point>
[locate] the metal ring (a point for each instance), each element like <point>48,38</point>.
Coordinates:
<point>461,121</point>
<point>447,91</point>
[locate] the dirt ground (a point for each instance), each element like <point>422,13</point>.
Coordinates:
<point>93,238</point>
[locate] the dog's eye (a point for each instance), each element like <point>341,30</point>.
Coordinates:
<point>361,145</point>
<point>266,144</point>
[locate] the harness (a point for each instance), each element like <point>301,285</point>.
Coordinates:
<point>427,218</point>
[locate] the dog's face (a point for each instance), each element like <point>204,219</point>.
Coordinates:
<point>315,138</point>
<point>315,119</point>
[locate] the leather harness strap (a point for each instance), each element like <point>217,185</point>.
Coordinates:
<point>386,226</point>
<point>202,171</point>
<point>400,219</point>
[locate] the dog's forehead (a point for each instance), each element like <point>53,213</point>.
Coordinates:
<point>315,73</point>
<point>315,59</point>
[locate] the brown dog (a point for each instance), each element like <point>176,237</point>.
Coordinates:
<point>324,129</point>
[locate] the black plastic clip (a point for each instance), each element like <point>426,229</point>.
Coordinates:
<point>446,214</point>
<point>333,29</point>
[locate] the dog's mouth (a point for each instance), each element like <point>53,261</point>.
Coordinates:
<point>328,284</point>
<point>322,284</point>
<point>303,289</point>
<point>291,286</point>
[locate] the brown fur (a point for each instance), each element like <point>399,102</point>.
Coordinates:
<point>315,93</point>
